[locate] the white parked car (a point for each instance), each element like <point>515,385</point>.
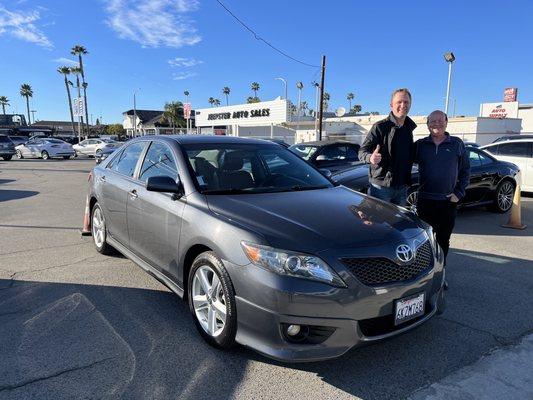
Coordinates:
<point>519,152</point>
<point>95,147</point>
<point>45,148</point>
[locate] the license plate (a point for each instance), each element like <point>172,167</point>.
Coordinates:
<point>408,308</point>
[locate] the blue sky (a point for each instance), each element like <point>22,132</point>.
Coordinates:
<point>163,47</point>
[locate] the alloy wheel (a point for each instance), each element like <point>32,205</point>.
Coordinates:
<point>98,227</point>
<point>412,198</point>
<point>505,196</point>
<point>209,301</point>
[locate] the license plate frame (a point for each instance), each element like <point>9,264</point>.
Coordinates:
<point>409,307</point>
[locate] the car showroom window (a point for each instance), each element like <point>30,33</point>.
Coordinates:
<point>159,161</point>
<point>515,149</point>
<point>125,165</point>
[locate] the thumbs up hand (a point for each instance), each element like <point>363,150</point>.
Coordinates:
<point>375,158</point>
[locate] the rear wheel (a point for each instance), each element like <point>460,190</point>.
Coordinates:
<point>212,300</point>
<point>98,230</point>
<point>98,153</point>
<point>66,157</point>
<point>19,155</point>
<point>45,155</point>
<point>7,158</point>
<point>504,196</point>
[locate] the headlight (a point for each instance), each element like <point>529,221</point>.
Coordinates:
<point>293,264</point>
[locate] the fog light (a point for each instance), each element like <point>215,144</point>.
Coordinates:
<point>293,330</point>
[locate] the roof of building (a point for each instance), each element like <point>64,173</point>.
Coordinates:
<point>145,115</point>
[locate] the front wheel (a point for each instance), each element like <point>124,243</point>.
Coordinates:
<point>45,155</point>
<point>19,155</point>
<point>504,197</point>
<point>212,301</point>
<point>66,157</point>
<point>7,158</point>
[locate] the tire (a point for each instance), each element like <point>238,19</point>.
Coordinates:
<point>222,334</point>
<point>99,231</point>
<point>503,199</point>
<point>66,157</point>
<point>19,155</point>
<point>412,197</point>
<point>7,158</point>
<point>45,155</point>
<point>98,153</point>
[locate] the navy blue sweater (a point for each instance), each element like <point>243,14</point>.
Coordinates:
<point>442,169</point>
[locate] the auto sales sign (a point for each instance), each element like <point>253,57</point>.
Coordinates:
<point>500,110</point>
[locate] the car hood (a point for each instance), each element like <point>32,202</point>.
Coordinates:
<point>316,220</point>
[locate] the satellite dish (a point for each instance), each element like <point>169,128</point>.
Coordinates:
<point>340,111</point>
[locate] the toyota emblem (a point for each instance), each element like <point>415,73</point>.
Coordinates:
<point>404,253</point>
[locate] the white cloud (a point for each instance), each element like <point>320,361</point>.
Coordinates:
<point>154,23</point>
<point>183,75</point>
<point>22,26</point>
<point>184,62</point>
<point>65,61</point>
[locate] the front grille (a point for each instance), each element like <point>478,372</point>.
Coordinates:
<point>382,271</point>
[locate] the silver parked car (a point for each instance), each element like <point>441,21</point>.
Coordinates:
<point>95,147</point>
<point>44,148</point>
<point>267,251</point>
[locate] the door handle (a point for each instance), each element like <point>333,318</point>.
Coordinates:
<point>133,194</point>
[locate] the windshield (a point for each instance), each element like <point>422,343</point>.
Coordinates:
<point>250,168</point>
<point>55,141</point>
<point>303,151</point>
<point>108,140</point>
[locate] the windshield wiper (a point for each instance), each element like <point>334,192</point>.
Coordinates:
<point>226,191</point>
<point>298,188</point>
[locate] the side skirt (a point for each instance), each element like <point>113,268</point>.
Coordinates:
<point>148,268</point>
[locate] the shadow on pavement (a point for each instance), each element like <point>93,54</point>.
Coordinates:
<point>6,195</point>
<point>3,181</point>
<point>79,341</point>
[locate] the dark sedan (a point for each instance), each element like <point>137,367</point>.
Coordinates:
<point>492,182</point>
<point>326,154</point>
<point>284,262</point>
<point>7,148</point>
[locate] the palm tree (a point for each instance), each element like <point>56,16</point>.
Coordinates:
<point>304,107</point>
<point>292,109</point>
<point>79,50</point>
<point>66,71</point>
<point>27,92</point>
<point>174,114</point>
<point>77,71</point>
<point>4,102</point>
<point>350,96</point>
<point>357,108</point>
<point>255,88</point>
<point>211,101</point>
<point>253,100</point>
<point>226,91</point>
<point>186,93</point>
<point>216,102</point>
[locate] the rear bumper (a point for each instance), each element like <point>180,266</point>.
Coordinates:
<point>7,152</point>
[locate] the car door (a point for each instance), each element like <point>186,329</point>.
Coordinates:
<point>481,178</point>
<point>81,147</point>
<point>154,218</point>
<point>117,184</point>
<point>35,147</point>
<point>517,152</point>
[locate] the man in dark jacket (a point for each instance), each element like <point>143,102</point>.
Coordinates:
<point>388,148</point>
<point>444,173</point>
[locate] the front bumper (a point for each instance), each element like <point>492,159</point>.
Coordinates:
<point>355,315</point>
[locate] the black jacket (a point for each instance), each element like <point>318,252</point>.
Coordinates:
<point>442,169</point>
<point>382,133</point>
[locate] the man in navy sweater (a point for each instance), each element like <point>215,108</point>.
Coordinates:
<point>444,173</point>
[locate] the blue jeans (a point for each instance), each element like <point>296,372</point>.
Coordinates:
<point>394,195</point>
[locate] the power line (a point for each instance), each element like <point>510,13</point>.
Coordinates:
<point>263,40</point>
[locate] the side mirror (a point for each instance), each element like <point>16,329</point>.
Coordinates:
<point>165,184</point>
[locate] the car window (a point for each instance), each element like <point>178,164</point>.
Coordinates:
<point>475,161</point>
<point>159,161</point>
<point>514,149</point>
<point>128,159</point>
<point>351,153</point>
<point>485,159</point>
<point>303,151</point>
<point>335,152</point>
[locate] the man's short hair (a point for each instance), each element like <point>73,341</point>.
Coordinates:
<point>437,112</point>
<point>401,90</point>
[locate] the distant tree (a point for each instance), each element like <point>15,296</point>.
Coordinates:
<point>253,100</point>
<point>255,88</point>
<point>374,112</point>
<point>211,101</point>
<point>4,101</point>
<point>357,108</point>
<point>173,114</point>
<point>27,92</point>
<point>326,101</point>
<point>311,112</point>
<point>216,102</point>
<point>115,129</point>
<point>350,96</point>
<point>226,91</point>
<point>80,51</point>
<point>304,107</point>
<point>65,71</point>
<point>97,121</point>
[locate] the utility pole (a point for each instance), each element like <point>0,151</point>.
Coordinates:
<point>320,113</point>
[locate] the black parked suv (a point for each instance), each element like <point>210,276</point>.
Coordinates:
<point>7,148</point>
<point>328,154</point>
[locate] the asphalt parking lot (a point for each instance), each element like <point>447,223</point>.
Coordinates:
<point>76,324</point>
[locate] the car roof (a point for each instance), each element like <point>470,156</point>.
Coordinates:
<point>323,143</point>
<point>521,140</point>
<point>208,139</point>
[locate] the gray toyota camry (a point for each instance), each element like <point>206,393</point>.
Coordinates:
<point>266,250</point>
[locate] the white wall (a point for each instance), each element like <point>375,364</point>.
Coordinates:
<point>526,114</point>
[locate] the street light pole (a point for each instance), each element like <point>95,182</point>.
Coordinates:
<point>300,86</point>
<point>33,115</point>
<point>285,82</point>
<point>450,58</point>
